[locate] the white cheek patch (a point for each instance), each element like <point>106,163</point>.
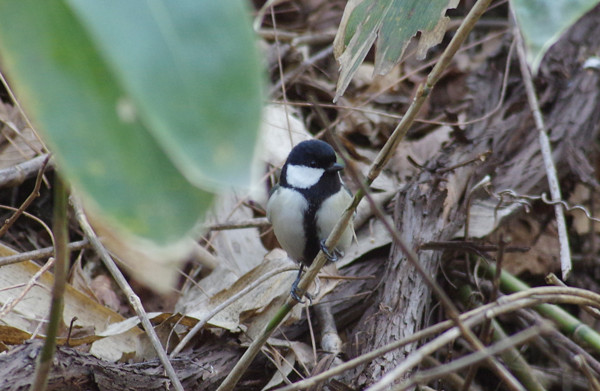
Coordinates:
<point>302,177</point>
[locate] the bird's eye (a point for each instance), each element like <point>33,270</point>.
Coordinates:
<point>313,163</point>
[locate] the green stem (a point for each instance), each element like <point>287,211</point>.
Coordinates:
<point>566,322</point>
<point>61,265</point>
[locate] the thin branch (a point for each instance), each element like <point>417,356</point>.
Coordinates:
<point>35,193</point>
<point>473,358</point>
<point>17,174</point>
<point>532,297</point>
<point>41,253</point>
<point>565,253</point>
<point>134,300</point>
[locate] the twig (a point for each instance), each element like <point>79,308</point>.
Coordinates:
<point>470,246</point>
<point>61,268</point>
<point>565,253</point>
<point>565,321</point>
<point>252,223</point>
<point>512,357</point>
<point>587,371</point>
<point>32,196</point>
<point>198,326</point>
<point>134,300</point>
<point>510,303</point>
<point>41,253</point>
<point>473,358</point>
<point>17,174</point>
<point>551,279</point>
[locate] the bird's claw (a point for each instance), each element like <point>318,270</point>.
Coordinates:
<point>294,290</point>
<point>332,256</point>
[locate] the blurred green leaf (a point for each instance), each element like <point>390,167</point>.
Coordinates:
<point>542,22</point>
<point>192,70</point>
<point>392,23</point>
<point>116,147</point>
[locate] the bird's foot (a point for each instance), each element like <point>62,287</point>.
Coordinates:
<point>294,291</point>
<point>332,256</point>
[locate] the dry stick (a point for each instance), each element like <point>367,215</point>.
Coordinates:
<point>17,174</point>
<point>587,371</point>
<point>517,301</point>
<point>565,253</point>
<point>32,196</point>
<point>260,222</point>
<point>224,304</point>
<point>544,294</point>
<point>134,300</point>
<point>380,161</point>
<point>473,358</point>
<point>41,253</point>
<point>61,267</point>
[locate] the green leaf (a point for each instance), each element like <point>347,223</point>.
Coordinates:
<point>192,70</point>
<point>542,22</point>
<point>392,23</point>
<point>104,135</point>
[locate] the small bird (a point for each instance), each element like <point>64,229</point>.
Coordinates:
<point>307,203</point>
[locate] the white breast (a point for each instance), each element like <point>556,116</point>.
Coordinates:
<point>303,177</point>
<point>329,214</point>
<point>285,211</point>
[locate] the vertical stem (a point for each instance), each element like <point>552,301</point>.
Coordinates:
<point>61,266</point>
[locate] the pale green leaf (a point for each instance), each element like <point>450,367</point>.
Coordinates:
<point>390,24</point>
<point>543,21</point>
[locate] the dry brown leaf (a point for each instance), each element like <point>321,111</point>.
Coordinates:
<point>103,290</point>
<point>543,255</point>
<point>33,306</point>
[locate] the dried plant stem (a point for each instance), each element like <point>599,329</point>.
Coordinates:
<point>517,301</point>
<point>512,357</point>
<point>40,253</point>
<point>61,266</point>
<point>499,347</point>
<point>32,196</point>
<point>17,174</point>
<point>566,322</point>
<point>565,253</point>
<point>381,160</point>
<point>134,300</point>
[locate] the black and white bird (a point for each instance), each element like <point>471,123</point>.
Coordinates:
<point>308,202</point>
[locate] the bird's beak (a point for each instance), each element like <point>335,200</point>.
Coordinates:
<point>335,167</point>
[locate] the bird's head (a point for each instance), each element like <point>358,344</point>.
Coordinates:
<point>308,162</point>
